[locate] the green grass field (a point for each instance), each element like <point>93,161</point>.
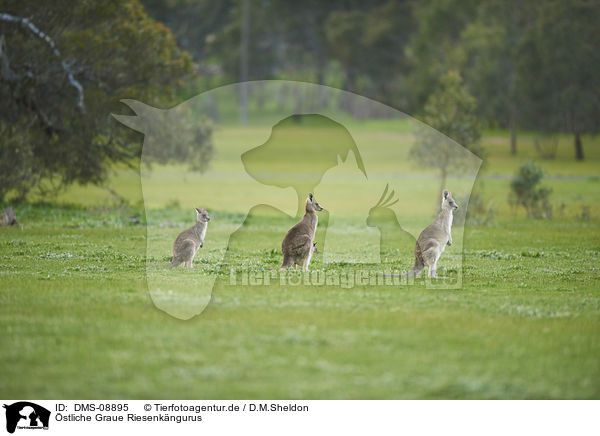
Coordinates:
<point>78,321</point>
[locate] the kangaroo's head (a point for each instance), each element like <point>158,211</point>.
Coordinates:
<point>381,215</point>
<point>312,205</point>
<point>202,215</point>
<point>448,202</point>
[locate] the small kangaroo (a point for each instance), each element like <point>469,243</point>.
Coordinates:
<point>297,246</point>
<point>8,217</point>
<point>190,240</point>
<point>433,240</point>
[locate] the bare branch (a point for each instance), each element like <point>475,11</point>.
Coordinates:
<point>27,24</point>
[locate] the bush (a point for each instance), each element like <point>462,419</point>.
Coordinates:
<point>526,192</point>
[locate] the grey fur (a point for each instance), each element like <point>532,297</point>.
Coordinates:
<point>190,240</point>
<point>298,245</point>
<point>433,240</point>
<point>8,217</point>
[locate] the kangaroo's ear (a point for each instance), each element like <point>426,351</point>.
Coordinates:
<point>310,197</point>
<point>203,209</point>
<point>197,210</point>
<point>445,193</point>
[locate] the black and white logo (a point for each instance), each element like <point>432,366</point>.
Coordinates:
<point>26,415</point>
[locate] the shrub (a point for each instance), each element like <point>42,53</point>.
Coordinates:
<point>526,192</point>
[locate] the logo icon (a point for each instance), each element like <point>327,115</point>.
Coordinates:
<point>26,415</point>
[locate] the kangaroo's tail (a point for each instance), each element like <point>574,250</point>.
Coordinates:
<point>175,262</point>
<point>417,268</point>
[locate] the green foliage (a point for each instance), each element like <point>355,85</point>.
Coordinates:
<point>433,47</point>
<point>176,135</point>
<point>344,31</point>
<point>115,51</point>
<point>489,46</point>
<point>526,192</point>
<point>559,62</point>
<point>530,64</point>
<point>450,110</point>
<point>369,43</point>
<point>193,22</point>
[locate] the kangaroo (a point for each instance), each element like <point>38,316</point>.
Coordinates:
<point>8,217</point>
<point>190,240</point>
<point>433,240</point>
<point>297,246</point>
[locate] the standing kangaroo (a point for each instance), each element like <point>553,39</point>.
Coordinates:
<point>297,246</point>
<point>433,240</point>
<point>190,240</point>
<point>8,217</point>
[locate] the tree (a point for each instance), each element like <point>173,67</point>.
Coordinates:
<point>344,31</point>
<point>491,46</point>
<point>450,110</point>
<point>193,22</point>
<point>434,48</point>
<point>480,39</point>
<point>559,64</point>
<point>63,69</point>
<point>369,44</point>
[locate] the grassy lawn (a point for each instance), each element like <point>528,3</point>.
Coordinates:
<point>78,321</point>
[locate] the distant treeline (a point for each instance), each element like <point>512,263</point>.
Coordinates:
<point>530,64</point>
<point>65,64</point>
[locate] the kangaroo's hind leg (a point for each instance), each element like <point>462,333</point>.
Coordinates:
<point>175,262</point>
<point>287,262</point>
<point>430,257</point>
<point>187,253</point>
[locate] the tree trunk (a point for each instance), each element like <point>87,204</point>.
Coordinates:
<point>512,125</point>
<point>345,99</point>
<point>578,147</point>
<point>322,98</point>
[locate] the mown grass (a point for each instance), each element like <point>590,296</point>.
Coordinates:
<point>78,322</point>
